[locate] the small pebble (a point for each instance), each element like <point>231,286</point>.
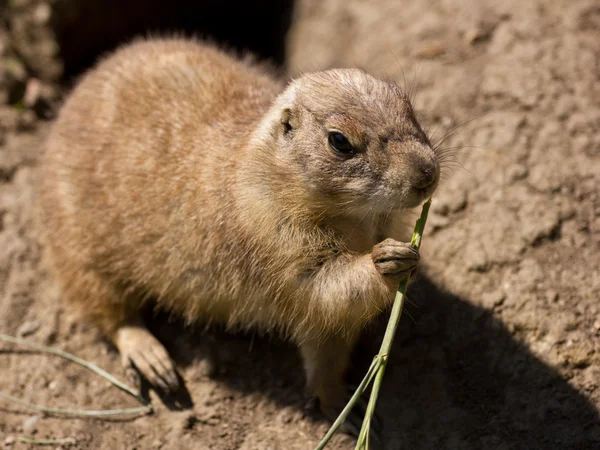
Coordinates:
<point>552,296</point>
<point>42,13</point>
<point>437,222</point>
<point>431,50</point>
<point>516,172</point>
<point>26,121</point>
<point>30,424</point>
<point>189,421</point>
<point>440,208</point>
<point>205,368</point>
<point>447,204</point>
<point>494,298</point>
<point>32,92</point>
<point>287,415</point>
<point>9,440</point>
<point>28,328</point>
<point>14,79</point>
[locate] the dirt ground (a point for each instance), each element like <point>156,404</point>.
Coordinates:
<point>499,347</point>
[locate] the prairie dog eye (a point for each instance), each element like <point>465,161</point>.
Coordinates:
<point>340,143</point>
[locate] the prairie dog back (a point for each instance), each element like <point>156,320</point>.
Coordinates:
<point>140,149</point>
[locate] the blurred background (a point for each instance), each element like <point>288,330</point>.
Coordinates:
<point>499,347</point>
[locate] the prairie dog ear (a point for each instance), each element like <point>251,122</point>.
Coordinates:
<point>289,119</point>
<point>290,114</point>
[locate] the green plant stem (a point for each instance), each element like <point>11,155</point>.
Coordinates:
<point>377,367</point>
<point>75,412</point>
<point>363,437</point>
<point>388,338</point>
<point>359,391</point>
<point>59,441</point>
<point>147,408</point>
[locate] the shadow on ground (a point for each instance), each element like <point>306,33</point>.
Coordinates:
<point>456,379</point>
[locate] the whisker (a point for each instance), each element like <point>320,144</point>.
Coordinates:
<point>390,211</point>
<point>430,137</point>
<point>449,156</point>
<point>462,146</point>
<point>401,69</point>
<point>369,211</point>
<point>406,312</point>
<point>414,90</point>
<point>453,130</point>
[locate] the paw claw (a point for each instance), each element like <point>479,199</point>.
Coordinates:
<point>133,376</point>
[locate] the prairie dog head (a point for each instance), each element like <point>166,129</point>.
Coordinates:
<point>355,142</point>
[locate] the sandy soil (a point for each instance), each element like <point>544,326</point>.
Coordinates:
<point>499,347</point>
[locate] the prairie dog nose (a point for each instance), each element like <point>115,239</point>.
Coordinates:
<point>426,173</point>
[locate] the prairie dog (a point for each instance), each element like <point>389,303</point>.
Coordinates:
<point>179,173</point>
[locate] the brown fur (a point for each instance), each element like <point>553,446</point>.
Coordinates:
<point>170,174</point>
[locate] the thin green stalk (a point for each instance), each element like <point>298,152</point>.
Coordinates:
<point>359,391</point>
<point>58,441</point>
<point>74,412</point>
<point>379,363</point>
<point>94,368</point>
<point>388,338</point>
<point>97,370</point>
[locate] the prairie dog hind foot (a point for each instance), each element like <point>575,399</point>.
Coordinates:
<point>143,354</point>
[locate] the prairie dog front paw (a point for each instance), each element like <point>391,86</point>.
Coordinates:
<point>395,259</point>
